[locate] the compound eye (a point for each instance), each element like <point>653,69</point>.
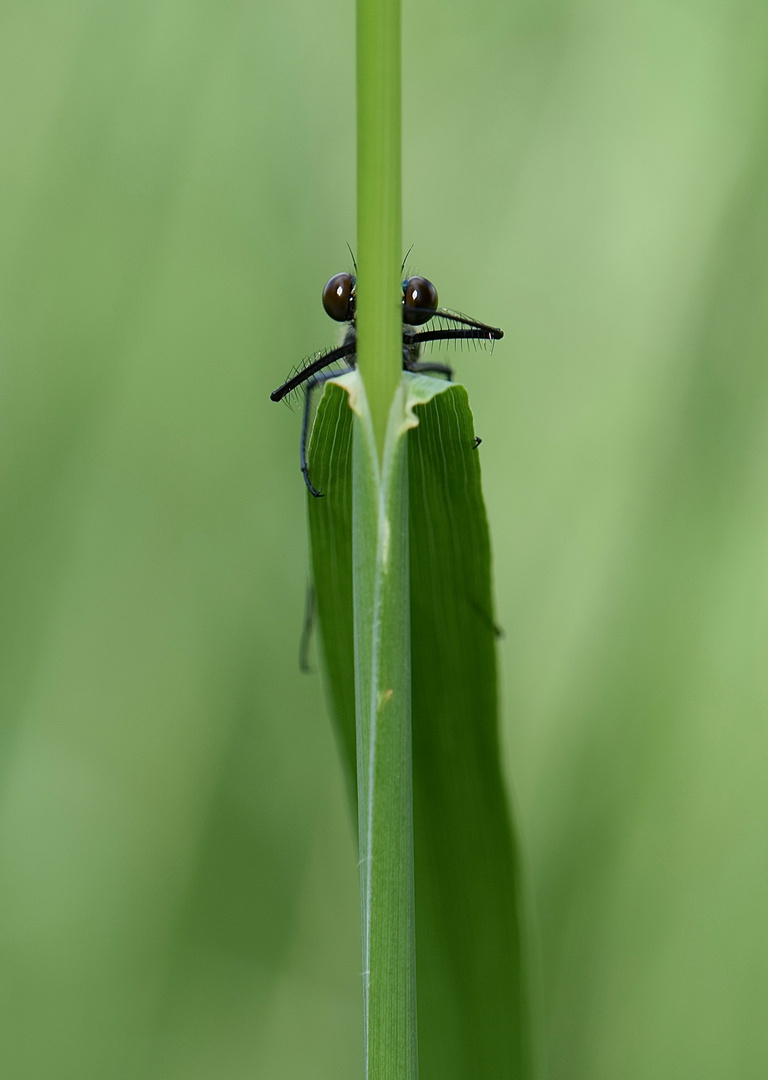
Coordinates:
<point>339,297</point>
<point>419,301</point>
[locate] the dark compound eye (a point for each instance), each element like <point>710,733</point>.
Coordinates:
<point>419,300</point>
<point>339,297</point>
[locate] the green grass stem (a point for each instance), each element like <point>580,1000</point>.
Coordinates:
<point>379,206</point>
<point>380,558</point>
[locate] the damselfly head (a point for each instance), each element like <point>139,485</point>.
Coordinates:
<point>419,305</point>
<point>419,301</point>
<point>339,297</point>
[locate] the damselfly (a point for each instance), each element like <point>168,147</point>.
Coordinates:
<point>419,308</point>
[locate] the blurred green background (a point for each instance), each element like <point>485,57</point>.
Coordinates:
<point>178,893</point>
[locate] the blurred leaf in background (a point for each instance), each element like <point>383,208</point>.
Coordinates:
<point>178,893</point>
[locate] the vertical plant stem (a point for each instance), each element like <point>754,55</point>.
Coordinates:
<point>379,206</point>
<point>381,600</point>
<point>380,564</point>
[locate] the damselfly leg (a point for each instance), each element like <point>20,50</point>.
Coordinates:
<point>315,381</point>
<point>430,369</point>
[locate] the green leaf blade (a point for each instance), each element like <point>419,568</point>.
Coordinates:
<point>376,534</point>
<point>473,1016</point>
<point>472,1006</point>
<point>330,534</point>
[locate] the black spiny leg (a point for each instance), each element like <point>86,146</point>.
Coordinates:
<point>315,366</point>
<point>432,369</point>
<point>315,380</point>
